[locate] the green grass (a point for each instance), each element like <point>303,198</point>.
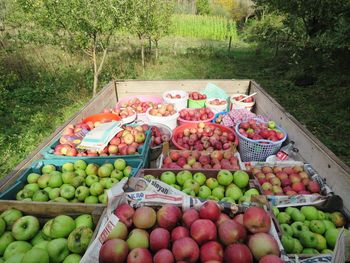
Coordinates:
<point>43,94</point>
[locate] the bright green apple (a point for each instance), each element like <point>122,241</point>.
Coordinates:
<point>54,193</point>
<point>40,196</point>
<point>283,218</point>
<point>288,243</point>
<point>228,200</point>
<point>91,169</point>
<point>72,258</point>
<point>68,167</point>
<point>204,192</point>
<point>10,216</point>
<point>224,177</point>
<point>24,194</point>
<point>60,199</point>
<point>61,226</point>
<point>96,189</point>
<point>91,200</point>
<point>48,168</point>
<point>32,187</point>
<point>317,226</point>
<point>289,210</point>
<point>138,238</point>
<point>189,191</point>
<point>233,191</point>
<point>117,174</point>
<point>5,239</point>
<point>310,212</point>
<point>183,176</point>
<point>212,183</point>
<point>32,178</point>
<point>219,192</point>
<point>298,228</point>
<point>296,215</point>
<point>36,255</point>
<point>176,186</point>
<point>67,191</point>
<point>38,238</point>
<point>321,242</point>
<point>103,198</point>
<point>84,220</point>
<point>80,164</point>
<point>328,224</point>
<point>251,192</point>
<point>80,172</point>
<point>47,189</point>
<point>82,192</point>
<point>110,182</point>
<point>332,236</point>
<point>192,184</point>
<point>58,249</point>
<point>168,177</point>
<point>43,181</point>
<point>200,178</point>
<point>104,171</point>
<point>241,179</point>
<point>25,228</point>
<point>67,177</point>
<point>214,198</point>
<point>127,171</point>
<point>287,229</point>
<point>308,239</point>
<point>15,258</point>
<point>16,247</point>
<point>275,210</point>
<point>78,181</point>
<point>120,164</point>
<point>90,179</point>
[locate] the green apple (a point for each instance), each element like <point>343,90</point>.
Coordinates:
<point>72,258</point>
<point>103,181</point>
<point>74,200</point>
<point>38,238</point>
<point>317,226</point>
<point>82,192</point>
<point>67,191</point>
<point>189,191</point>
<point>96,189</point>
<point>117,174</point>
<point>149,177</point>
<point>310,251</point>
<point>204,192</point>
<point>168,177</point>
<point>298,228</point>
<point>84,220</point>
<point>55,180</point>
<point>321,242</point>
<point>15,258</point>
<point>54,193</point>
<point>308,239</point>
<point>58,249</point>
<point>47,229</point>
<point>228,200</point>
<point>48,168</point>
<point>212,183</point>
<point>78,181</point>
<point>183,176</point>
<point>283,218</point>
<point>10,216</point>
<point>103,198</point>
<point>91,200</point>
<point>104,171</point>
<point>16,247</point>
<point>5,239</point>
<point>23,194</point>
<point>332,236</point>
<point>68,167</point>
<point>119,231</point>
<point>176,186</point>
<point>321,215</point>
<point>80,172</point>
<point>2,226</point>
<point>219,192</point>
<point>91,169</point>
<point>214,198</point>
<point>241,179</point>
<point>109,165</point>
<point>252,192</point>
<point>79,239</point>
<point>127,171</point>
<point>297,216</point>
<point>47,189</point>
<point>338,219</point>
<point>328,224</point>
<point>32,178</point>
<point>192,184</point>
<point>60,199</point>
<point>67,177</point>
<point>307,223</point>
<point>271,125</point>
<point>90,179</point>
<point>200,178</point>
<point>80,164</point>
<point>40,196</point>
<point>288,243</point>
<point>120,164</point>
<point>43,181</point>
<point>138,238</point>
<point>224,177</point>
<point>233,191</point>
<point>244,199</point>
<point>25,228</point>
<point>287,229</point>
<point>275,210</point>
<point>36,255</point>
<point>289,210</point>
<point>327,251</point>
<point>32,187</point>
<point>42,244</point>
<point>310,212</point>
<point>61,226</point>
<point>298,248</point>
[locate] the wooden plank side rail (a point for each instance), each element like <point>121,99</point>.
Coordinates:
<point>104,98</point>
<point>327,164</point>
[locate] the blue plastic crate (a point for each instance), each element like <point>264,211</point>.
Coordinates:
<point>48,153</point>
<point>10,193</point>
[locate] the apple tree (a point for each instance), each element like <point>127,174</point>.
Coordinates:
<point>80,25</point>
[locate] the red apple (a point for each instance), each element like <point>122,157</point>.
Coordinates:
<point>144,217</point>
<point>314,187</point>
<point>113,251</point>
<point>211,250</point>
<point>159,239</point>
<point>179,232</point>
<point>222,218</point>
<point>231,232</point>
<point>203,230</point>
<point>186,249</point>
<point>125,213</point>
<point>262,244</point>
<point>209,210</point>
<point>257,220</point>
<point>163,256</point>
<point>238,253</point>
<point>271,259</point>
<point>189,217</point>
<point>139,255</point>
<point>239,218</point>
<point>168,216</point>
<point>297,187</point>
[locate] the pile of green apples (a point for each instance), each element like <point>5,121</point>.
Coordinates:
<point>308,230</point>
<point>76,182</point>
<point>61,239</point>
<point>227,186</point>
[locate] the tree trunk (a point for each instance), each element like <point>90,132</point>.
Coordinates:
<point>157,50</point>
<point>94,61</point>
<point>229,44</point>
<point>143,55</point>
<point>150,45</point>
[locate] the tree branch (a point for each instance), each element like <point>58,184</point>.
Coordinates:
<point>102,61</point>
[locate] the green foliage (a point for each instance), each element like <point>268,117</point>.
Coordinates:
<point>202,7</point>
<point>205,27</point>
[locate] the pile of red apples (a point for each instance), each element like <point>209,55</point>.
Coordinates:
<point>201,114</point>
<point>285,181</point>
<point>121,112</point>
<point>201,160</point>
<point>197,96</point>
<point>158,138</point>
<point>138,105</point>
<point>256,130</point>
<point>126,142</point>
<point>168,235</point>
<point>204,137</point>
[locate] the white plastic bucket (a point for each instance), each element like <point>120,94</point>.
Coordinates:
<point>170,121</point>
<point>240,104</point>
<point>178,103</point>
<point>216,108</point>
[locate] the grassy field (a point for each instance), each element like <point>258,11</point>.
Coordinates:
<point>45,90</point>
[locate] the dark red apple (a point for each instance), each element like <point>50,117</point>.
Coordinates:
<point>210,251</point>
<point>186,249</point>
<point>114,251</point>
<point>238,253</point>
